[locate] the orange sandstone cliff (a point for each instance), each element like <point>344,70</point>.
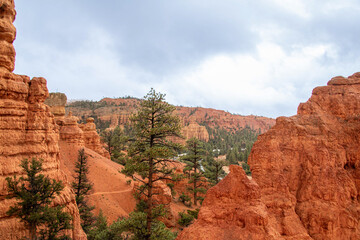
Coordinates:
<point>111,193</point>
<point>27,130</point>
<point>117,112</point>
<point>57,102</point>
<point>306,176</point>
<point>89,135</point>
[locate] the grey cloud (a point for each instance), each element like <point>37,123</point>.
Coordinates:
<point>152,41</point>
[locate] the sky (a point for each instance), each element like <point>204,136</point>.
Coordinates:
<point>260,57</point>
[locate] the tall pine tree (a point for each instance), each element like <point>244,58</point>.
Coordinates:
<point>35,193</point>
<point>150,152</point>
<point>82,187</point>
<point>193,158</point>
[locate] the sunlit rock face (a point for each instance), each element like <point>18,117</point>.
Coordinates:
<point>306,177</point>
<point>27,130</point>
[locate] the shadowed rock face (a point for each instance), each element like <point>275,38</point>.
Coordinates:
<point>307,172</point>
<point>27,129</point>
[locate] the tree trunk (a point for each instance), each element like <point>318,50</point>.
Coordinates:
<point>195,180</point>
<point>150,179</point>
<point>149,202</point>
<point>33,232</point>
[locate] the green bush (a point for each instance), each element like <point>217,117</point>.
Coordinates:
<point>185,199</point>
<point>185,219</point>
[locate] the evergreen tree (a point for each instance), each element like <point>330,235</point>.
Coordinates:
<point>213,170</point>
<point>99,227</point>
<point>193,158</point>
<point>133,227</point>
<point>151,150</point>
<point>82,187</point>
<point>106,137</point>
<point>35,193</point>
<point>115,141</point>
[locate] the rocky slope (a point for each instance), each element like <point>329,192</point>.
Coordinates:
<point>115,199</point>
<point>27,129</point>
<point>306,176</point>
<point>116,112</point>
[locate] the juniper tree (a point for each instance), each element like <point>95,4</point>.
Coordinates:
<point>82,187</point>
<point>151,150</point>
<point>35,193</point>
<point>193,158</point>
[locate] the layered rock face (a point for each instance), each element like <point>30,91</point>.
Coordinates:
<point>307,168</point>
<point>92,138</point>
<point>117,112</point>
<point>27,130</point>
<point>195,130</point>
<point>218,118</point>
<point>70,131</point>
<point>57,102</point>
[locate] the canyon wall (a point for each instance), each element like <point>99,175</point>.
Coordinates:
<point>116,112</point>
<point>70,130</point>
<point>27,130</point>
<point>306,176</point>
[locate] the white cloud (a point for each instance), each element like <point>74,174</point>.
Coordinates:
<point>297,7</point>
<point>262,84</point>
<point>256,57</point>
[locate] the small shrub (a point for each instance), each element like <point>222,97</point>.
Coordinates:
<point>185,199</point>
<point>194,213</point>
<point>185,219</point>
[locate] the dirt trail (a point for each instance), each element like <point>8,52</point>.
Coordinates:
<point>102,193</point>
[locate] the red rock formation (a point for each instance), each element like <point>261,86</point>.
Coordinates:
<point>70,130</point>
<point>115,199</point>
<point>57,102</point>
<point>190,131</point>
<point>232,210</point>
<point>27,130</point>
<point>195,130</point>
<point>307,171</point>
<point>225,120</point>
<point>92,138</point>
<point>117,112</point>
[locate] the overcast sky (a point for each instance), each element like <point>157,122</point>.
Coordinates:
<point>259,57</point>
